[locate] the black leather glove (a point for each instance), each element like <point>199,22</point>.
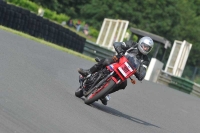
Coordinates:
<point>141,72</point>
<point>115,58</point>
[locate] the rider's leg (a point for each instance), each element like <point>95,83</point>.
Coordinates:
<point>102,63</point>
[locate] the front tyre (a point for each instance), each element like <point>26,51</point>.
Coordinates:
<point>79,92</point>
<point>100,92</point>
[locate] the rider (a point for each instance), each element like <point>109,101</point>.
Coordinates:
<point>139,50</point>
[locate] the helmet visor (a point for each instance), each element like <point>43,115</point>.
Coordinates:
<point>146,47</point>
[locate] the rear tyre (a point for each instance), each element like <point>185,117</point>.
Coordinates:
<point>79,92</point>
<point>95,95</point>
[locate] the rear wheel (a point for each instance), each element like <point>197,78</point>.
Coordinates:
<point>100,92</point>
<point>79,92</point>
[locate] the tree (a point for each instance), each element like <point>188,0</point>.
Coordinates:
<point>189,28</point>
<point>51,4</point>
<point>95,11</point>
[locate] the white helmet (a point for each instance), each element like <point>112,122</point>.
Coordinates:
<point>145,45</point>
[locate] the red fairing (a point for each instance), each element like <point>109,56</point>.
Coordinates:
<point>122,68</point>
<point>114,79</point>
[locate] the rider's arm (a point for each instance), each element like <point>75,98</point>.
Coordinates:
<point>145,62</point>
<point>121,47</point>
<point>140,74</point>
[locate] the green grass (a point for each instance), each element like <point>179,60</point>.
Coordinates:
<point>47,43</point>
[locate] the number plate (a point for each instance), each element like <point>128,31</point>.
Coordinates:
<point>125,69</point>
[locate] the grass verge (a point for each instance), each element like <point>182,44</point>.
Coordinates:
<point>47,43</point>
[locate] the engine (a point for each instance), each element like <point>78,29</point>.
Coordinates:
<point>88,82</point>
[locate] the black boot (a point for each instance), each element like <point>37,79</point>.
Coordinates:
<point>105,99</point>
<point>85,73</point>
<point>139,76</point>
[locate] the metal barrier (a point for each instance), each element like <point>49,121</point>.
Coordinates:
<point>179,83</point>
<point>196,90</point>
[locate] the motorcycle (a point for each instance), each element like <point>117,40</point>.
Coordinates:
<point>99,84</point>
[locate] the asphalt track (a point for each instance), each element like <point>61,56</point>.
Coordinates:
<point>37,85</point>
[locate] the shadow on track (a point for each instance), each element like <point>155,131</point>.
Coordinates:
<point>112,111</point>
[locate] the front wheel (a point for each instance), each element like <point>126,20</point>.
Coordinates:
<point>100,92</point>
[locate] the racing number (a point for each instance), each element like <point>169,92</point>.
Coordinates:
<point>125,69</point>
